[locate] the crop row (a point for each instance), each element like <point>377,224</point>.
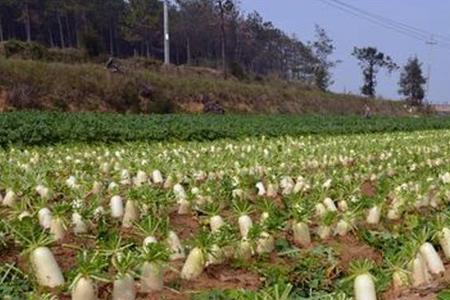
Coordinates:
<point>38,128</point>
<point>363,216</point>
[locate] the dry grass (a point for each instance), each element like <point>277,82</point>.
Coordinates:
<point>89,87</point>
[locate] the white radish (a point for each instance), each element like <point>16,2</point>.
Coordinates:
<point>194,265</point>
<point>444,241</point>
<point>124,289</point>
<point>329,204</point>
<point>57,229</point>
<point>432,259</point>
<point>419,272</point>
<point>9,199</point>
<point>149,240</point>
<point>46,268</point>
<point>215,223</point>
<point>151,277</point>
<point>264,217</point>
<point>157,177</point>
<point>43,191</point>
<point>79,226</point>
<point>245,223</point>
<point>400,279</point>
<point>364,288</point>
<point>169,182</point>
<point>342,228</point>
<point>244,250</point>
<point>324,232</point>
<point>216,255</point>
<point>265,244</point>
<point>177,250</point>
<point>84,289</point>
<point>261,189</point>
<point>272,190</point>
<point>112,187</point>
<point>24,214</point>
<point>301,233</point>
<point>131,214</point>
<point>373,216</point>
<point>116,205</point>
<point>184,206</point>
<point>320,210</point>
<point>96,187</point>
<point>45,217</point>
<point>140,178</point>
<point>179,191</point>
<point>71,182</point>
<point>343,206</point>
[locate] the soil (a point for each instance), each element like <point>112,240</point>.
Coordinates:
<point>368,188</point>
<point>349,249</point>
<point>428,292</point>
<point>219,277</point>
<point>185,226</point>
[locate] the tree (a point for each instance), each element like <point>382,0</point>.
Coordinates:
<point>412,81</point>
<point>371,61</point>
<point>322,49</point>
<point>224,7</point>
<point>143,23</point>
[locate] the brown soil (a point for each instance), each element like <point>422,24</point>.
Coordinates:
<point>220,277</point>
<point>428,292</point>
<point>368,189</point>
<point>184,226</point>
<point>9,256</point>
<point>349,249</point>
<point>64,255</point>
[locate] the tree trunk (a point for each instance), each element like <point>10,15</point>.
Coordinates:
<point>61,31</point>
<point>111,39</point>
<point>69,34</point>
<point>2,38</point>
<point>223,38</point>
<point>147,49</point>
<point>77,33</point>
<point>27,22</point>
<point>188,52</point>
<point>50,38</point>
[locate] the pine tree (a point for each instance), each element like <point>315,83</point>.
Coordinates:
<point>371,61</point>
<point>412,81</point>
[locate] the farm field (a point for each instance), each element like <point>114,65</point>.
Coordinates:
<point>292,216</point>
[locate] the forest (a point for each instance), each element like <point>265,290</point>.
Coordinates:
<point>211,33</point>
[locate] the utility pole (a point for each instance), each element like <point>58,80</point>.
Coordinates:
<point>166,34</point>
<point>431,43</point>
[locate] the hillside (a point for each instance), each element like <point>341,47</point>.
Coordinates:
<point>144,88</point>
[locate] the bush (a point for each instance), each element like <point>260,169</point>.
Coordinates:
<point>67,55</point>
<point>23,50</point>
<point>92,44</point>
<point>237,71</point>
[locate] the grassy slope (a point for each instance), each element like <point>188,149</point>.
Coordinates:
<point>89,87</point>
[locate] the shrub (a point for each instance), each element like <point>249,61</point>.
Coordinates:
<point>24,50</point>
<point>91,43</point>
<point>237,71</point>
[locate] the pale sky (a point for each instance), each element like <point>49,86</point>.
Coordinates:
<point>299,16</point>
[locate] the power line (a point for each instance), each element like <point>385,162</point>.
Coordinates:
<point>405,26</point>
<point>389,24</point>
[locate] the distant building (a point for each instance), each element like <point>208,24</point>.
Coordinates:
<point>442,108</point>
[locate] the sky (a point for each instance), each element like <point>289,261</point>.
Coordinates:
<point>300,16</point>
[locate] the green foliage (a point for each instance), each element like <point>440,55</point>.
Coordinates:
<point>41,128</point>
<point>237,71</point>
<point>370,61</point>
<point>412,81</point>
<point>91,43</point>
<point>19,49</point>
